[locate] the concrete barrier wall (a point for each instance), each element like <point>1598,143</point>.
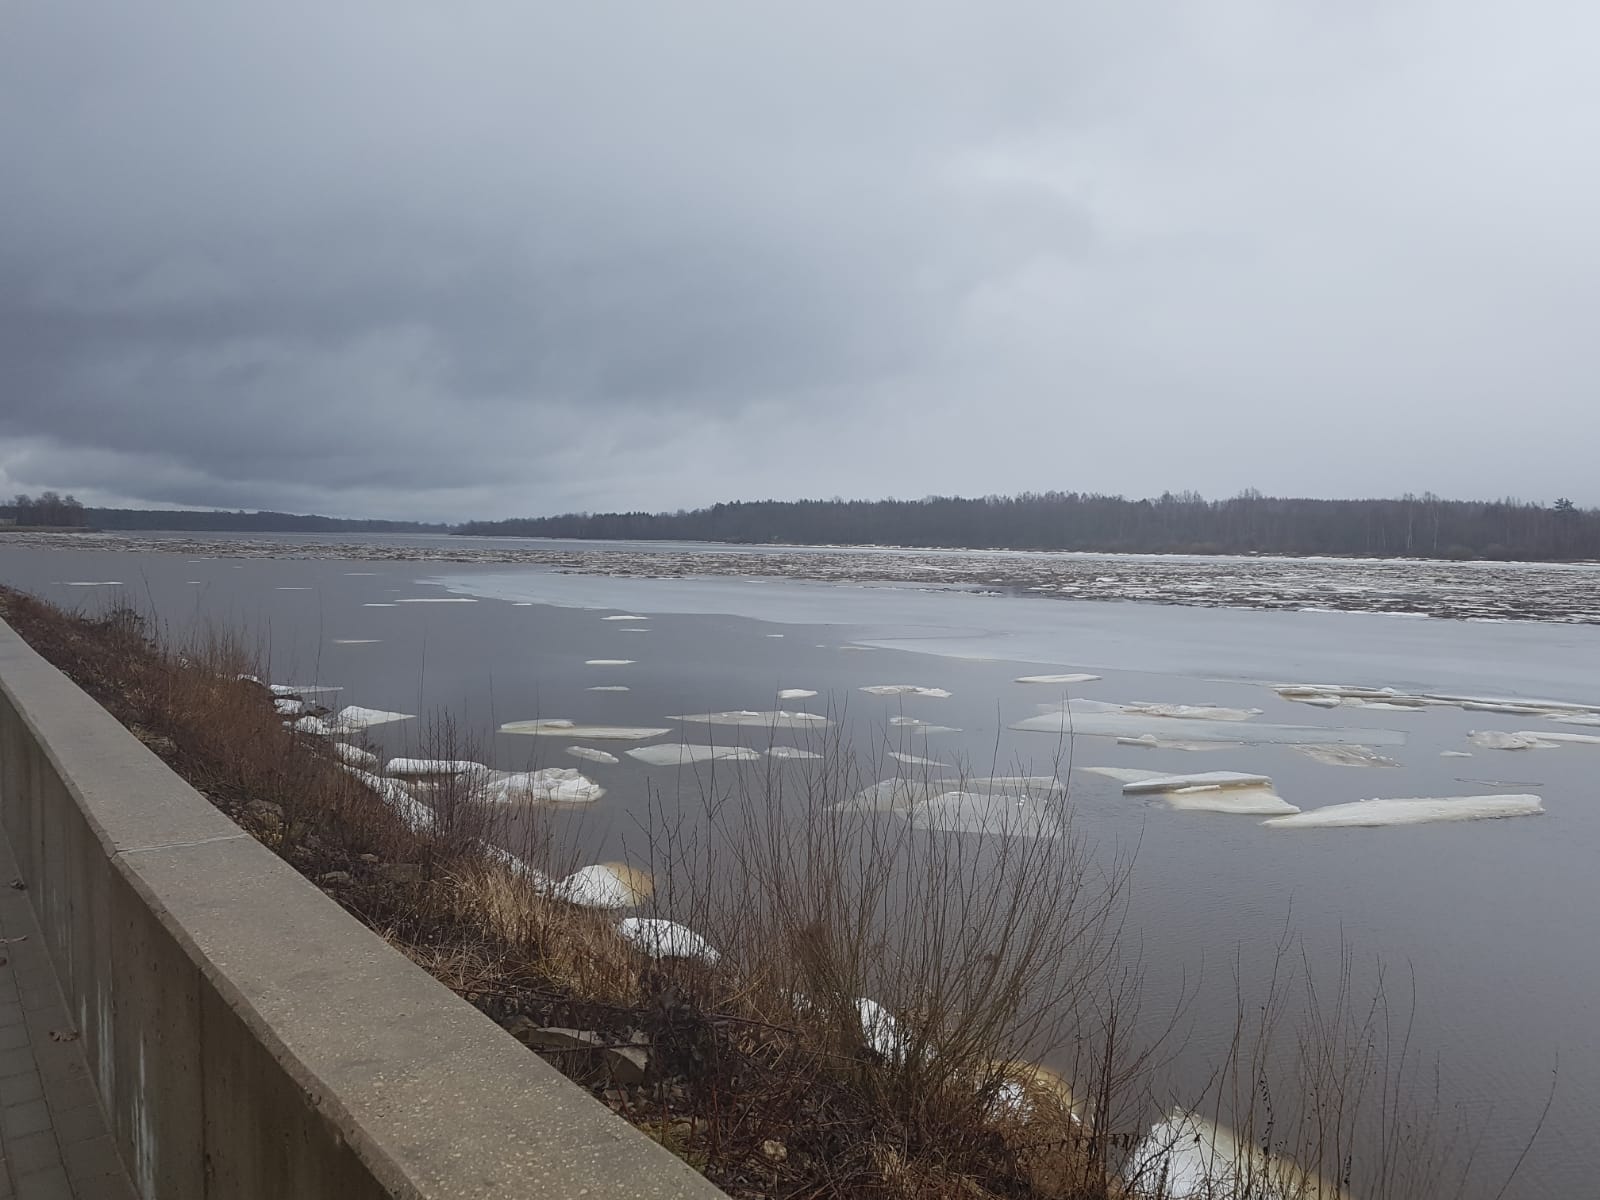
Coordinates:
<point>251,1040</point>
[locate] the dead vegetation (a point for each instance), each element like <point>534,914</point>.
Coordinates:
<point>874,1020</point>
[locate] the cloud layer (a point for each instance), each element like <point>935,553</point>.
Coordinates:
<point>411,259</point>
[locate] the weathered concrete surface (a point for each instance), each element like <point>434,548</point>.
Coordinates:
<point>249,1039</point>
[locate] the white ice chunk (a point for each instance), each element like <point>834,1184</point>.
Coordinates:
<point>796,694</point>
<point>1150,741</point>
<point>1346,756</point>
<point>962,811</point>
<point>923,727</point>
<point>1075,720</point>
<point>287,707</point>
<point>758,720</point>
<point>604,885</point>
<point>1057,679</point>
<point>555,727</point>
<point>609,662</point>
<point>666,939</point>
<point>552,785</point>
<point>356,641</point>
<point>1495,739</point>
<point>791,752</point>
<point>1191,712</point>
<point>356,756</point>
<point>911,760</point>
<point>610,687</point>
<point>356,717</point>
<point>315,726</point>
<point>437,600</point>
<point>1418,811</point>
<point>434,768</point>
<point>1571,739</point>
<point>417,816</point>
<point>1199,779</point>
<point>1186,1157</point>
<point>302,689</point>
<point>94,583</point>
<point>670,754</point>
<point>1578,719</point>
<point>624,617</point>
<point>592,755</point>
<point>906,689</point>
<point>882,1031</point>
<point>378,604</point>
<point>1455,754</point>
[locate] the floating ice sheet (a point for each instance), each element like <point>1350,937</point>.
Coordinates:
<point>1079,677</point>
<point>1214,791</point>
<point>434,768</point>
<point>557,727</point>
<point>552,785</point>
<point>355,756</point>
<point>610,687</point>
<point>1150,741</point>
<point>1567,739</point>
<point>94,583</point>
<point>666,939</point>
<point>923,727</point>
<point>961,811</point>
<point>795,694</point>
<point>1346,756</point>
<point>590,754</point>
<point>624,617</point>
<point>1198,779</point>
<point>906,689</point>
<point>609,662</point>
<point>356,641</point>
<point>1495,739</point>
<point>1119,724</point>
<point>604,885</point>
<point>355,717</point>
<point>1123,774</point>
<point>417,816</point>
<point>1186,1157</point>
<point>757,720</point>
<point>437,600</point>
<point>286,706</point>
<point>911,760</point>
<point>671,754</point>
<point>791,752</point>
<point>315,726</point>
<point>1412,811</point>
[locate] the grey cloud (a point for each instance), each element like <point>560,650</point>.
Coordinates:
<point>413,259</point>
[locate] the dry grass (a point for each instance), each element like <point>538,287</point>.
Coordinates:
<point>987,955</point>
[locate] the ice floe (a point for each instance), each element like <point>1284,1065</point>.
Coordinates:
<point>355,755</point>
<point>417,816</point>
<point>1495,739</point>
<point>1412,811</point>
<point>1455,754</point>
<point>1094,721</point>
<point>1123,774</point>
<point>590,754</point>
<point>356,641</point>
<point>1149,741</point>
<point>1186,1157</point>
<point>795,694</point>
<point>610,687</point>
<point>437,600</point>
<point>758,720</point>
<point>315,726</point>
<point>286,706</point>
<point>559,727</point>
<point>604,885</point>
<point>1214,791</point>
<point>94,583</point>
<point>609,662</point>
<point>912,760</point>
<point>881,1030</point>
<point>1002,815</point>
<point>791,752</point>
<point>666,939</point>
<point>624,617</point>
<point>378,604</point>
<point>672,754</point>
<point>1079,677</point>
<point>551,785</point>
<point>1559,738</point>
<point>919,726</point>
<point>1346,756</point>
<point>355,717</point>
<point>906,689</point>
<point>434,768</point>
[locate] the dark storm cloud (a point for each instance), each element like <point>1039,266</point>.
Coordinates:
<point>406,258</point>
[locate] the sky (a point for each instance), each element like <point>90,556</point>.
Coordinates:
<point>481,259</point>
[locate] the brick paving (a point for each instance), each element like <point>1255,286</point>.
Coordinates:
<point>54,1140</point>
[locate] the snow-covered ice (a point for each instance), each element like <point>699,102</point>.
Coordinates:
<point>624,617</point>
<point>604,885</point>
<point>757,720</point>
<point>1346,756</point>
<point>906,689</point>
<point>1186,1157</point>
<point>1076,719</point>
<point>559,727</point>
<point>666,939</point>
<point>355,755</point>
<point>355,717</point>
<point>610,687</point>
<point>1412,811</point>
<point>672,754</point>
<point>590,754</point>
<point>912,760</point>
<point>1078,677</point>
<point>286,706</point>
<point>920,726</point>
<point>551,785</point>
<point>795,694</point>
<point>1496,739</point>
<point>434,768</point>
<point>791,752</point>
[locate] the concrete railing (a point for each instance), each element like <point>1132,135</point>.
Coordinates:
<point>249,1039</point>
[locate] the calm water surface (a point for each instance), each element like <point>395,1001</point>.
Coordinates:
<point>1498,920</point>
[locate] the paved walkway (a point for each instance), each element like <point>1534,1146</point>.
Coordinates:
<point>54,1143</point>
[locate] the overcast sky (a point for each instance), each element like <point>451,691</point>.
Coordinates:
<point>437,260</point>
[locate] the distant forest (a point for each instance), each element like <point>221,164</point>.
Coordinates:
<point>65,512</point>
<point>1250,523</point>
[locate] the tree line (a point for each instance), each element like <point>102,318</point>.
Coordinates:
<point>1250,523</point>
<point>47,508</point>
